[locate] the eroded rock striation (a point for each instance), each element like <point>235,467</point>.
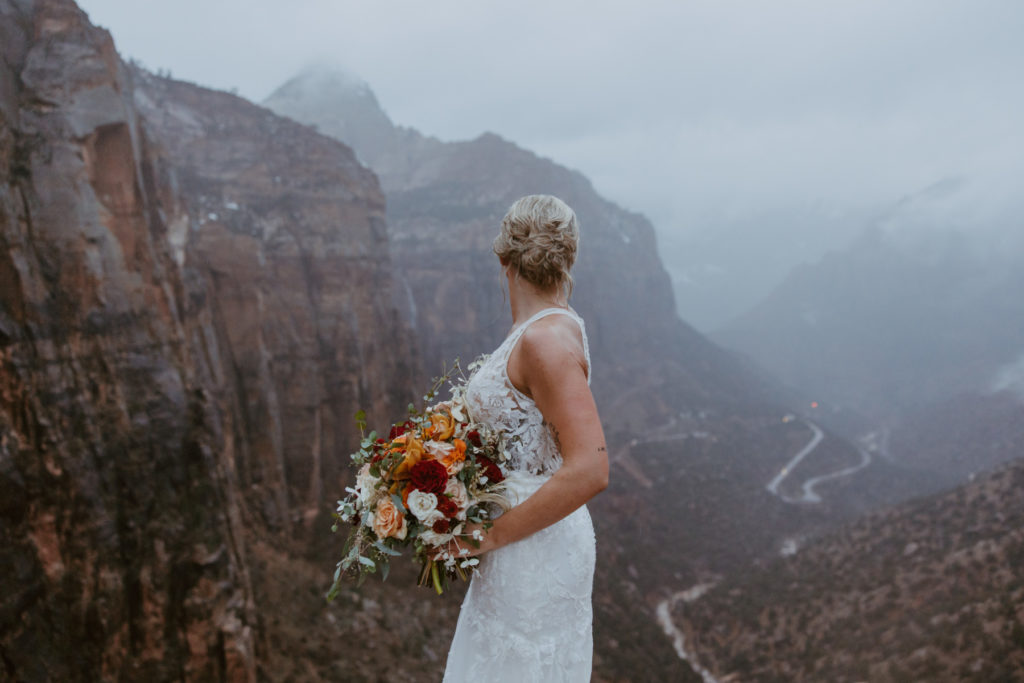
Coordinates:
<point>121,537</point>
<point>288,231</point>
<point>191,309</point>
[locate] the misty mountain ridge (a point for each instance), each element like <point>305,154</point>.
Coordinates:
<point>341,90</point>
<point>893,320</point>
<point>721,272</point>
<point>916,326</point>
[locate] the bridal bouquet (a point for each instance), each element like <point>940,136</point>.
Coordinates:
<point>418,488</point>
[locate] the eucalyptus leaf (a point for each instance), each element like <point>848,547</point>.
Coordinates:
<point>397,500</point>
<point>386,550</point>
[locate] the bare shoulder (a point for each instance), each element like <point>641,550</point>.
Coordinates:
<point>550,351</point>
<point>553,338</point>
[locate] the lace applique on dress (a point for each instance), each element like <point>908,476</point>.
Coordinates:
<point>493,399</point>
<point>527,616</point>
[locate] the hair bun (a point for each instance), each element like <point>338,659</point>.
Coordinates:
<point>539,237</point>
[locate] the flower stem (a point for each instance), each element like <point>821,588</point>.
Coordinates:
<point>437,579</point>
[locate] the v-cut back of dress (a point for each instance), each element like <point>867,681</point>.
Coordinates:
<point>527,616</point>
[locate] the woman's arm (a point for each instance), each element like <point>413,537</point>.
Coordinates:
<point>548,364</point>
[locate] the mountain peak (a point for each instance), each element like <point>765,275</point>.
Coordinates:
<point>338,103</point>
<point>324,79</point>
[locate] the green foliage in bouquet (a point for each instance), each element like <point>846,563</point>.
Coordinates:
<point>431,485</point>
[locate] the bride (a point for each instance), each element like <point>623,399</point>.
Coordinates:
<point>527,615</point>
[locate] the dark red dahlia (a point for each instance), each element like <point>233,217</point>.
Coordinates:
<point>447,506</point>
<point>398,430</point>
<point>441,526</point>
<point>490,469</point>
<point>429,476</point>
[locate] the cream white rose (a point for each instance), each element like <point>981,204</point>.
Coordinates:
<point>424,507</point>
<point>366,486</point>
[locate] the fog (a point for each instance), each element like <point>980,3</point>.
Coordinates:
<point>781,129</point>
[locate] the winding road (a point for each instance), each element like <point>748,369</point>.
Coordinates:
<point>664,612</point>
<point>773,485</point>
<point>807,493</point>
<point>790,546</point>
<point>809,496</point>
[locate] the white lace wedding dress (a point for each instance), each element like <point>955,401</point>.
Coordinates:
<point>527,616</point>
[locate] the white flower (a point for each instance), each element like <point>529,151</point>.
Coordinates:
<point>456,490</point>
<point>478,535</point>
<point>424,507</point>
<point>431,537</point>
<point>438,449</point>
<point>366,486</point>
<point>458,407</point>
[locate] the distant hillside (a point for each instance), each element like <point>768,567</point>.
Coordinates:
<point>929,591</point>
<point>884,325</point>
<point>908,330</point>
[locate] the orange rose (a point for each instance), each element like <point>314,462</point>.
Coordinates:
<point>442,426</point>
<point>456,457</point>
<point>413,449</point>
<point>388,521</point>
<point>451,455</point>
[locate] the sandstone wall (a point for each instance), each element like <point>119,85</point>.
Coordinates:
<point>120,526</point>
<point>192,307</point>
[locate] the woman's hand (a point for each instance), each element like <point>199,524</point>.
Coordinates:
<point>474,540</point>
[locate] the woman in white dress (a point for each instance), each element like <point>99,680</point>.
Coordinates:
<point>527,615</point>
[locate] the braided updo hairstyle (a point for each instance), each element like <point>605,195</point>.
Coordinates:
<point>538,238</point>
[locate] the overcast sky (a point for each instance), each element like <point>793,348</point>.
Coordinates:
<point>695,113</point>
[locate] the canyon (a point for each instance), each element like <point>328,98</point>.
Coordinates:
<point>197,293</point>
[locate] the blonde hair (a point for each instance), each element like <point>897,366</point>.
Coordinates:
<point>539,237</point>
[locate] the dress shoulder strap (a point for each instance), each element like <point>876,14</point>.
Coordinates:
<point>518,332</point>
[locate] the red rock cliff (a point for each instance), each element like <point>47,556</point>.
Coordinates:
<point>119,521</point>
<point>192,307</point>
<point>288,232</point>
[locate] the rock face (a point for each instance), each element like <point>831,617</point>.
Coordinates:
<point>121,537</point>
<point>191,310</point>
<point>288,231</point>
